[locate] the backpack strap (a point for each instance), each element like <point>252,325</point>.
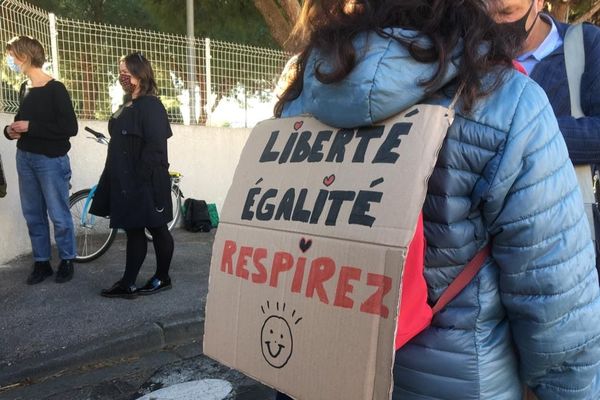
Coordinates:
<point>463,279</point>
<point>575,65</point>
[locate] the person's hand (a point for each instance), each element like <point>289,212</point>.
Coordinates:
<point>12,134</point>
<point>20,126</point>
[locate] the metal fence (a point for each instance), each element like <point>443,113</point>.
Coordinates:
<point>201,81</point>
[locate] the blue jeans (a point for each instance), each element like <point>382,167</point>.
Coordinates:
<point>44,191</point>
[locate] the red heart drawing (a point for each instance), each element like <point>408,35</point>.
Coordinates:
<point>298,125</point>
<point>305,244</point>
<point>328,180</point>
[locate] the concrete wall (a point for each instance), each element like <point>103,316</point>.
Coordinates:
<point>207,157</point>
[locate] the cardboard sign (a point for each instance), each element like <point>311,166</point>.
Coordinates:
<point>308,258</point>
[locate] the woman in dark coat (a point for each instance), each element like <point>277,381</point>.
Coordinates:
<point>134,189</point>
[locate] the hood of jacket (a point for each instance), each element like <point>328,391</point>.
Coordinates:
<point>385,80</point>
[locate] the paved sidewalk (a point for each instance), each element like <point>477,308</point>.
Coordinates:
<point>50,327</point>
<point>139,376</point>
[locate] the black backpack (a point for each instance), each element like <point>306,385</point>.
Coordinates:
<point>195,216</point>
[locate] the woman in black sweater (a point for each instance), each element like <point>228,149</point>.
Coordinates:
<point>135,189</point>
<point>43,125</point>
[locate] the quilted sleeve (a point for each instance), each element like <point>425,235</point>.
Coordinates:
<point>541,242</point>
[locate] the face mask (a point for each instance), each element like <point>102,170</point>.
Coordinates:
<point>125,81</point>
<point>10,61</point>
<point>517,30</point>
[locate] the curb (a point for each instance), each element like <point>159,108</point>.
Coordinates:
<point>142,339</point>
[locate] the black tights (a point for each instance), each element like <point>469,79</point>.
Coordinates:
<point>137,247</point>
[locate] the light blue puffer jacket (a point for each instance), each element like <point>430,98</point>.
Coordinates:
<point>532,315</point>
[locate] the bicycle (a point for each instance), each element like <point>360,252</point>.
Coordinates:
<point>93,234</point>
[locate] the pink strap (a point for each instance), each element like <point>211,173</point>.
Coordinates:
<point>463,279</point>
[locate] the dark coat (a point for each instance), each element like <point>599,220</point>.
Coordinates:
<point>134,189</point>
<point>582,135</point>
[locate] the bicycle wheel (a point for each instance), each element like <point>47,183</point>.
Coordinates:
<point>93,235</point>
<point>176,200</point>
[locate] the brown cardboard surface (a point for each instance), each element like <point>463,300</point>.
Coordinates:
<point>303,315</point>
<point>396,212</point>
<point>307,262</point>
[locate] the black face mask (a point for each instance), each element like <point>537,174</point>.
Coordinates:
<point>517,30</point>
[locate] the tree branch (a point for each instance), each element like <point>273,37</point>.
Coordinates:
<point>588,15</point>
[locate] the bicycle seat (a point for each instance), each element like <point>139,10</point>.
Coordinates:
<point>175,174</point>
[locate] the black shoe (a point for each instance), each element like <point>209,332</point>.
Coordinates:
<point>155,285</point>
<point>118,290</point>
<point>64,272</point>
<point>41,270</point>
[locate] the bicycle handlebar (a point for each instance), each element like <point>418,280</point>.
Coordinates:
<point>95,133</point>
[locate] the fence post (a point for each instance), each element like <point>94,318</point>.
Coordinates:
<point>208,81</point>
<point>54,45</point>
<point>191,60</point>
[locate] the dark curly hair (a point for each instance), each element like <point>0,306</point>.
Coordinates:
<point>330,26</point>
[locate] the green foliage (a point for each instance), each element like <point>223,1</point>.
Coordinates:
<point>228,20</point>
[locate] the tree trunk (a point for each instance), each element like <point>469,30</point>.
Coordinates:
<point>88,87</point>
<point>292,10</point>
<point>560,10</point>
<point>276,19</point>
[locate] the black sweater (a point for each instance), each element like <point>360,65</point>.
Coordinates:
<point>51,119</point>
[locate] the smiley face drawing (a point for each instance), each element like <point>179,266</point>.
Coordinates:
<point>276,341</point>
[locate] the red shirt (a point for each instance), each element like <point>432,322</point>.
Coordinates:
<point>415,313</point>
